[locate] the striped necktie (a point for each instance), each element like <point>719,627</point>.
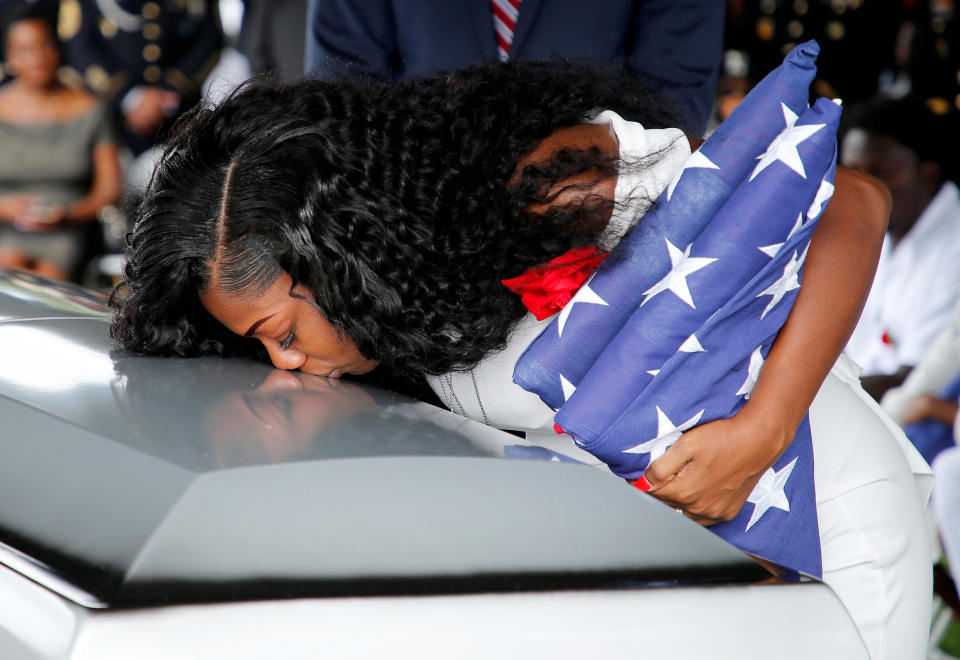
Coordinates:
<point>504,19</point>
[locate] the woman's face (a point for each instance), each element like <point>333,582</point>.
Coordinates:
<point>294,332</point>
<point>32,52</point>
<point>282,418</point>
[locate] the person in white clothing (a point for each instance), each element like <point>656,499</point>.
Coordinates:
<point>912,400</point>
<point>918,279</point>
<point>339,228</point>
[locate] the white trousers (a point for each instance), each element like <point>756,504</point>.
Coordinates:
<point>946,505</point>
<point>871,494</point>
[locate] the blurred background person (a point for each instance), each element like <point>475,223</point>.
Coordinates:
<point>917,285</point>
<point>272,36</point>
<point>929,43</point>
<point>150,58</point>
<point>868,47</point>
<point>59,163</point>
<point>909,402</point>
<point>946,507</point>
<point>856,39</point>
<point>927,402</point>
<point>675,44</point>
<point>733,85</point>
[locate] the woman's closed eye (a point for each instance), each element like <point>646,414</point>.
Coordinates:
<point>287,341</point>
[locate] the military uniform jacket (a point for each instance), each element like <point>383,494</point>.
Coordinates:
<point>113,46</point>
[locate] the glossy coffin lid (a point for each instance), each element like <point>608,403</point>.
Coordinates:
<point>130,480</point>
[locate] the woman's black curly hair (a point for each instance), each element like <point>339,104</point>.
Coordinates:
<point>395,203</point>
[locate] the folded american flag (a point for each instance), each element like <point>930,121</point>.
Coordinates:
<point>672,329</point>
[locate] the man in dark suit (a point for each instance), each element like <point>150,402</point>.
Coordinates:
<point>149,57</point>
<point>676,44</point>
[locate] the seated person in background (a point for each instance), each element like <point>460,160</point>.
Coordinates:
<point>946,507</point>
<point>917,283</point>
<point>908,402</point>
<point>60,162</point>
<point>926,404</point>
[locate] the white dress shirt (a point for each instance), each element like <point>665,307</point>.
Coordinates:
<point>914,292</point>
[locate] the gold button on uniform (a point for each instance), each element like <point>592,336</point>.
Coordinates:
<point>108,28</point>
<point>68,19</point>
<point>151,31</point>
<point>938,105</point>
<point>152,73</point>
<point>766,28</point>
<point>150,10</point>
<point>70,77</point>
<point>151,52</point>
<point>836,30</point>
<point>97,78</point>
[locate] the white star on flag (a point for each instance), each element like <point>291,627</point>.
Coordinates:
<point>697,160</point>
<point>824,193</point>
<point>568,387</point>
<point>692,345</point>
<point>789,116</point>
<point>753,373</point>
<point>786,283</point>
<point>784,146</point>
<point>769,493</point>
<point>584,295</point>
<point>676,280</point>
<point>667,434</point>
<point>771,250</point>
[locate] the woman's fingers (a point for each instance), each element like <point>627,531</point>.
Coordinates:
<point>663,470</point>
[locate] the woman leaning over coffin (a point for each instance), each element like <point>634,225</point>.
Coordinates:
<point>341,227</point>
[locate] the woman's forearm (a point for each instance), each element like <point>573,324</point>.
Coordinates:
<point>928,406</point>
<point>838,272</point>
<point>711,470</point>
<point>83,210</point>
<point>12,206</point>
<point>105,188</point>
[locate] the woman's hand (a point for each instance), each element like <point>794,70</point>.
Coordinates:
<point>711,470</point>
<point>927,406</point>
<point>38,218</point>
<point>153,107</point>
<point>14,206</point>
